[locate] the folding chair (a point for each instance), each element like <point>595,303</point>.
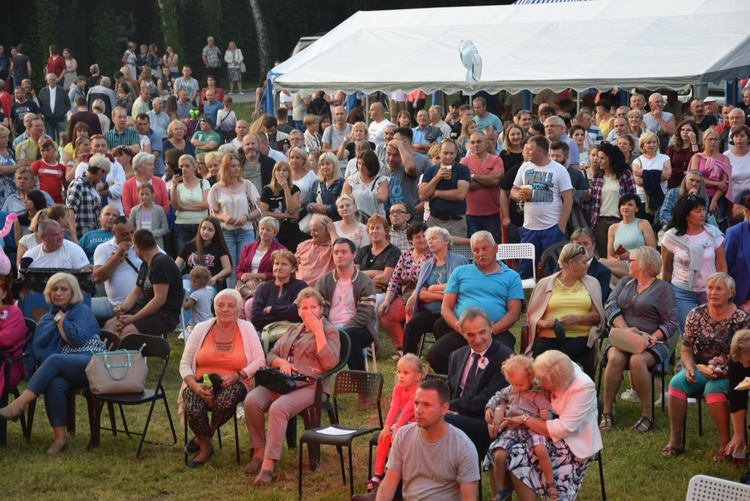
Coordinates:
<point>705,488</point>
<point>156,347</point>
<point>347,382</point>
<point>218,436</point>
<point>519,251</point>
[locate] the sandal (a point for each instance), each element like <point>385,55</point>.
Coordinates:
<point>671,451</point>
<point>607,422</point>
<point>399,353</point>
<point>264,478</point>
<point>643,425</point>
<point>721,455</point>
<point>551,490</point>
<point>501,495</point>
<point>375,481</point>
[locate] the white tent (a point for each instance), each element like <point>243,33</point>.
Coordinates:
<point>602,44</point>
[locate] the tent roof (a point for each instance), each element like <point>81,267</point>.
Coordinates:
<point>602,44</point>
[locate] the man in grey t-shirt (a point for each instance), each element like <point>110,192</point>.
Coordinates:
<point>417,446</point>
<point>335,134</point>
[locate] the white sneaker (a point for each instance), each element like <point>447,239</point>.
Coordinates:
<point>664,396</point>
<point>629,395</point>
<point>240,410</point>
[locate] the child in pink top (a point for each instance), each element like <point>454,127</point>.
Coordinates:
<point>409,372</point>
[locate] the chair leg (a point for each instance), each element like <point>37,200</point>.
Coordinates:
<point>124,421</point>
<point>145,429</point>
<point>653,398</point>
<point>30,420</point>
<point>93,409</point>
<point>236,439</point>
<point>663,388</point>
<point>71,411</point>
<point>299,473</point>
<point>699,400</point>
<point>186,437</point>
<point>351,473</point>
<point>369,463</point>
<point>218,437</point>
<point>169,417</point>
<point>112,417</point>
<point>341,460</point>
<point>601,475</point>
<point>291,432</point>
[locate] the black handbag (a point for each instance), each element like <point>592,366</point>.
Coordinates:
<point>278,382</point>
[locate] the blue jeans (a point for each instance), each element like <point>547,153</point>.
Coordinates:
<point>686,301</point>
<point>487,223</point>
<point>58,374</point>
<point>511,234</point>
<point>182,234</point>
<point>236,241</point>
<point>541,240</point>
<point>53,129</point>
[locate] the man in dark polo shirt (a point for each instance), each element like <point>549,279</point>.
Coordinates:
<point>153,307</point>
<point>120,135</point>
<point>445,187</point>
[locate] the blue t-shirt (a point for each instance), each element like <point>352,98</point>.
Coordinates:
<point>442,207</point>
<point>210,110</point>
<point>91,240</point>
<point>490,119</point>
<point>490,292</point>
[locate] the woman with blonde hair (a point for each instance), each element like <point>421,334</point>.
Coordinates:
<point>349,149</point>
<point>348,226</point>
<point>233,201</point>
<point>468,127</point>
<point>716,170</point>
<point>644,166</point>
<point>302,177</point>
<point>280,200</point>
<point>326,189</point>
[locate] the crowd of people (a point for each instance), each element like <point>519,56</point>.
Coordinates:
<point>259,241</point>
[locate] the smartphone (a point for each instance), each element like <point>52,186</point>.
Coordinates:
<point>620,250</point>
<point>178,172</point>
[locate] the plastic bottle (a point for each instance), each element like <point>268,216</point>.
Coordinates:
<point>207,382</point>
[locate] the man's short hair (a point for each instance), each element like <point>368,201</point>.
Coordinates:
<point>345,241</point>
<point>120,220</point>
<point>282,113</point>
<point>541,142</point>
<point>106,82</point>
<point>142,116</point>
<point>464,107</point>
<point>440,387</point>
<point>144,239</point>
<point>560,145</point>
<point>482,235</point>
<point>405,132</point>
<point>81,101</point>
<point>440,110</point>
<point>269,121</point>
<point>480,99</point>
<point>93,69</point>
<point>471,313</point>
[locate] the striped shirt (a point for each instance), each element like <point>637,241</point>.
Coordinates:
<point>128,137</point>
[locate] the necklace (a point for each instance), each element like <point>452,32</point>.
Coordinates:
<point>642,286</point>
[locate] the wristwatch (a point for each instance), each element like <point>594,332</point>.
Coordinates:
<point>525,418</point>
<point>240,376</point>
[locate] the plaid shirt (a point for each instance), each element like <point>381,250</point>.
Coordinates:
<point>627,185</point>
<point>398,238</point>
<point>407,270</point>
<point>212,55</point>
<point>85,201</point>
<point>128,137</point>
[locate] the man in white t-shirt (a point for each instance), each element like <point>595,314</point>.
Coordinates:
<point>657,119</point>
<point>115,265</point>
<point>417,446</point>
<point>55,251</point>
<point>545,188</point>
<point>378,124</point>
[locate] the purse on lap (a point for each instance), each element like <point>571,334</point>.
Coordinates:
<point>278,382</point>
<point>628,341</point>
<point>121,371</point>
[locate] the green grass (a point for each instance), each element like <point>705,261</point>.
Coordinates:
<point>633,466</point>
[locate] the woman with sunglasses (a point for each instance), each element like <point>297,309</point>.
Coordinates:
<point>565,311</point>
<point>716,169</point>
<point>691,251</point>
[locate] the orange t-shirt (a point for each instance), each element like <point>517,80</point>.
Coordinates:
<point>220,359</point>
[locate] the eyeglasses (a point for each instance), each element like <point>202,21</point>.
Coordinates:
<point>397,211</point>
<point>447,140</point>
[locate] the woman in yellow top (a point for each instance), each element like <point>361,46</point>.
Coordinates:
<point>565,310</point>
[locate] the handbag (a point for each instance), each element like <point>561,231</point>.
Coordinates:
<point>247,289</point>
<point>243,68</point>
<point>628,341</point>
<point>278,382</point>
<point>273,332</point>
<point>121,371</point>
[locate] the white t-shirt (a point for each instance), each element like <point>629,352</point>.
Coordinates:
<point>740,172</point>
<point>543,210</point>
<point>123,279</point>
<point>68,256</point>
<point>304,185</point>
<point>376,130</point>
<point>650,122</point>
<point>656,163</point>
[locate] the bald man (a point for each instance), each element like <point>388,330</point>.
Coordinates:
<point>378,124</point>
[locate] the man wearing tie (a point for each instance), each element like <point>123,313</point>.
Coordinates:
<point>474,376</point>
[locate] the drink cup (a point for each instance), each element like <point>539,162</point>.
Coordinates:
<point>738,456</point>
<point>526,189</point>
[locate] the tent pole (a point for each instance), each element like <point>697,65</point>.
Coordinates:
<point>351,101</point>
<point>367,109</point>
<point>730,91</point>
<point>269,96</point>
<point>527,100</point>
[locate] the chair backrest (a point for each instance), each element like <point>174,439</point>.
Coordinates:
<point>361,383</point>
<point>463,250</point>
<point>111,340</point>
<point>156,346</point>
<point>30,330</point>
<point>548,261</point>
<point>517,251</point>
<point>705,488</point>
<point>344,351</point>
<point>431,376</point>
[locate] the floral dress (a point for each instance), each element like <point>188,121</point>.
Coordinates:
<point>7,182</point>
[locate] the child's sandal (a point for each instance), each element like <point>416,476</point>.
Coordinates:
<point>501,495</point>
<point>374,482</point>
<point>552,493</point>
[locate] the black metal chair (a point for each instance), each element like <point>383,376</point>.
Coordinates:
<point>218,436</point>
<point>598,455</point>
<point>153,347</point>
<point>347,382</point>
<point>6,390</point>
<point>313,414</point>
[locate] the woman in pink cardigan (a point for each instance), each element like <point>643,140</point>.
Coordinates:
<point>574,436</point>
<point>143,165</point>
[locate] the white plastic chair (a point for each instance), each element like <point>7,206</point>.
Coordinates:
<point>463,250</point>
<point>705,488</point>
<point>520,251</point>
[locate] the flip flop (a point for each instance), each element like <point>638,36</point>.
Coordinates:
<point>375,481</point>
<point>607,422</point>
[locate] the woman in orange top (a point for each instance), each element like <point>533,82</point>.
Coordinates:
<point>228,350</point>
